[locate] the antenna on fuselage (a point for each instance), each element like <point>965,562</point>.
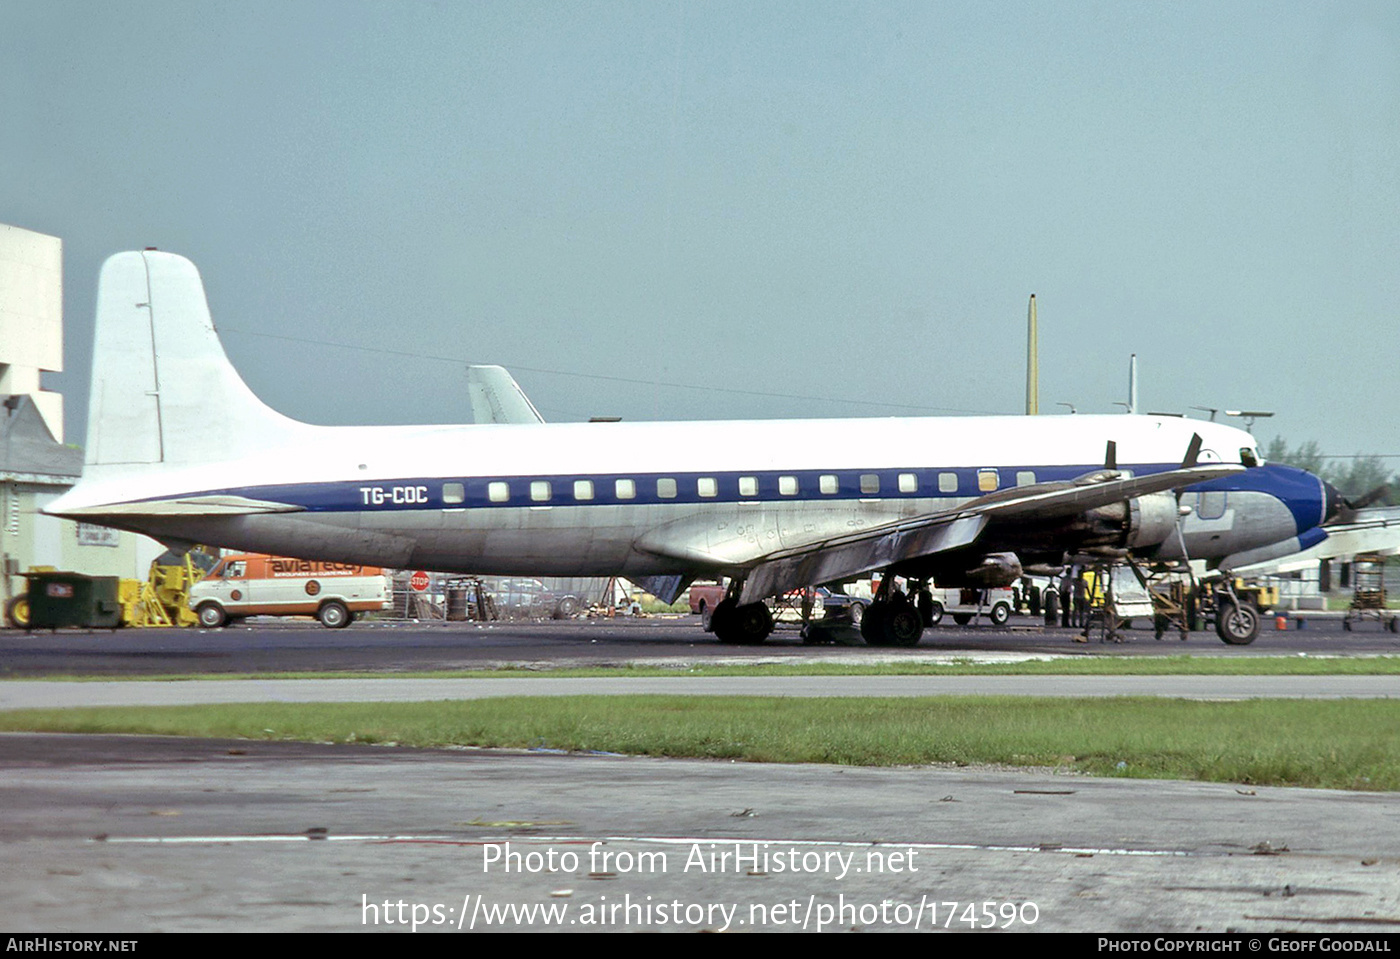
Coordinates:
<point>1249,416</point>
<point>1032,362</point>
<point>1132,384</point>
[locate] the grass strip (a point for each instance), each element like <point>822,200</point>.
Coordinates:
<point>1085,665</point>
<point>1338,744</point>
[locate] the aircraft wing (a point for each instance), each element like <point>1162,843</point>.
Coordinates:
<point>856,553</point>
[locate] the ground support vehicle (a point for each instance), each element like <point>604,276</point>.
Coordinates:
<point>1115,595</point>
<point>158,600</point>
<point>965,605</point>
<point>252,584</point>
<point>1182,603</point>
<point>1368,599</point>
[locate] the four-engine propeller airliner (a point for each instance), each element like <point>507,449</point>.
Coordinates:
<point>179,448</point>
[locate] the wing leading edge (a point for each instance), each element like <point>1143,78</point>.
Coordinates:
<point>883,546</point>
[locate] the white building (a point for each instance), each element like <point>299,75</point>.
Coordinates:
<point>35,465</point>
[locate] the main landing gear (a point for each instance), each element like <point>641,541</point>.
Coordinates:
<point>893,620</point>
<point>747,625</point>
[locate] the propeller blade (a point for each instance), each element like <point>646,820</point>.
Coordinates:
<point>1192,452</point>
<point>1379,493</point>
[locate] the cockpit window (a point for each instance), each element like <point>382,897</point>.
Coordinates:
<point>1248,457</point>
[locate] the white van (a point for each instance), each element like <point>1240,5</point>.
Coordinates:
<point>966,604</point>
<point>251,584</point>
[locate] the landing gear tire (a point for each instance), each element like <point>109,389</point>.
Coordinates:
<point>747,625</point>
<point>962,619</point>
<point>872,626</point>
<point>334,615</point>
<point>929,608</point>
<point>1237,625</point>
<point>212,616</point>
<point>903,625</point>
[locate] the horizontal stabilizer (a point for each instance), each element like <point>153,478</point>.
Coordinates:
<point>213,505</point>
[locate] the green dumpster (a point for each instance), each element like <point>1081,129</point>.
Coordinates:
<point>62,599</point>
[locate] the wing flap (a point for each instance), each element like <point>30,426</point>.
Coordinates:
<point>829,562</point>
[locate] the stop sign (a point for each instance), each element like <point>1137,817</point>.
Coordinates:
<point>419,580</point>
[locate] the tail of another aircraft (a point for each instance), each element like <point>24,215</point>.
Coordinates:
<point>163,390</point>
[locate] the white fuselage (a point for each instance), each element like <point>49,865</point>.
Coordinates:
<point>616,498</point>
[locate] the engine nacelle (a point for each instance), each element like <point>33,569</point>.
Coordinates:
<point>1137,523</point>
<point>995,570</point>
<point>1153,518</point>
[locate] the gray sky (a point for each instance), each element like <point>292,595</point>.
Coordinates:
<point>732,210</point>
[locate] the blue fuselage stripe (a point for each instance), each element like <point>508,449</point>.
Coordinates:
<point>476,492</point>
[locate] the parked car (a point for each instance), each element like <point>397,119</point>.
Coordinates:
<point>531,597</point>
<point>842,606</point>
<point>704,597</point>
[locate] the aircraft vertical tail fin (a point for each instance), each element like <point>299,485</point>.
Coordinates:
<point>163,390</point>
<point>497,398</point>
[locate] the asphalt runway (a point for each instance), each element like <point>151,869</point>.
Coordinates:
<point>123,833</point>
<point>280,646</point>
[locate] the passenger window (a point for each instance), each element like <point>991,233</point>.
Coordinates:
<point>666,488</point>
<point>748,486</point>
<point>908,483</point>
<point>540,491</point>
<point>1025,478</point>
<point>787,485</point>
<point>869,483</point>
<point>987,480</point>
<point>583,489</point>
<point>828,484</point>
<point>626,489</point>
<point>498,492</point>
<point>453,492</point>
<point>947,482</point>
<point>707,487</point>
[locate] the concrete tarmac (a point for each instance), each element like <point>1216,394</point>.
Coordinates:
<point>118,833</point>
